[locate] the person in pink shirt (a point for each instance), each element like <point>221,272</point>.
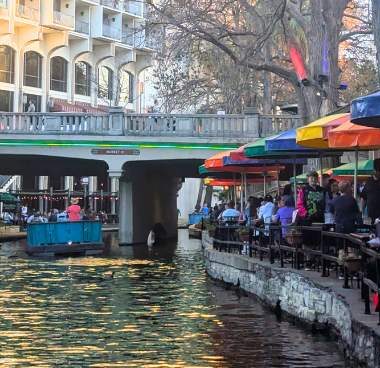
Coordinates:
<point>73,210</point>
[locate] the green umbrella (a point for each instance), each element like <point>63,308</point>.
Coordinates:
<point>7,197</point>
<point>365,167</point>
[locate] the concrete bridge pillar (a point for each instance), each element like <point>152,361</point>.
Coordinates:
<point>69,186</point>
<point>145,201</point>
<point>114,191</point>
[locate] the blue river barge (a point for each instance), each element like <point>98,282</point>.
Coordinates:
<point>56,238</point>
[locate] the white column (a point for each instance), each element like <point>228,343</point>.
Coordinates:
<point>92,187</point>
<point>42,185</point>
<point>125,213</point>
<point>114,191</point>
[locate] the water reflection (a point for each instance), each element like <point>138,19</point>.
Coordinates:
<point>159,310</point>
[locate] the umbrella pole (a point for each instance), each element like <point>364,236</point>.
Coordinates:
<point>235,197</point>
<point>356,173</point>
<point>265,184</point>
<point>278,183</point>
<point>241,192</point>
<point>321,169</point>
<point>245,187</point>
<point>295,181</point>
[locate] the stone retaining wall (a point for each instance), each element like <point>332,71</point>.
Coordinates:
<point>300,297</point>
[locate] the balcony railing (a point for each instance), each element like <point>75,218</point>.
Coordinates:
<point>111,32</point>
<point>63,19</point>
<point>239,128</point>
<point>134,7</point>
<point>82,26</point>
<point>25,11</point>
<point>4,4</point>
<point>143,41</point>
<point>114,4</point>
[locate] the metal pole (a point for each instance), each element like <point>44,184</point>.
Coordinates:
<point>356,173</point>
<point>245,186</point>
<point>265,184</point>
<point>295,181</point>
<point>234,186</point>
<point>321,169</point>
<point>241,192</point>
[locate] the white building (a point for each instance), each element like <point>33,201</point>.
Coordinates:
<point>71,55</point>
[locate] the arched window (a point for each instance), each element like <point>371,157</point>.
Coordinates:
<point>7,64</point>
<point>83,79</point>
<point>32,69</point>
<point>58,74</point>
<point>126,80</point>
<point>105,88</point>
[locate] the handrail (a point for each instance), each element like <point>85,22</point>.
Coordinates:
<point>262,240</point>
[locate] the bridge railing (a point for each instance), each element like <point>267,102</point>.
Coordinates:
<point>118,123</point>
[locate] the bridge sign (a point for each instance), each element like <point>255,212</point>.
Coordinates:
<point>117,152</point>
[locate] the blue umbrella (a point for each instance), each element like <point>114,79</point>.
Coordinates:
<point>286,141</point>
<point>365,110</point>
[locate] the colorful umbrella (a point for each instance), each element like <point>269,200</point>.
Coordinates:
<point>285,141</point>
<point>315,134</point>
<point>365,110</point>
<point>233,182</point>
<point>349,136</point>
<point>216,161</point>
<point>365,167</point>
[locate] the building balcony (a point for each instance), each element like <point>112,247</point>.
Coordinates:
<point>114,4</point>
<point>142,41</point>
<point>63,19</point>
<point>133,7</point>
<point>111,32</point>
<point>28,12</point>
<point>82,27</point>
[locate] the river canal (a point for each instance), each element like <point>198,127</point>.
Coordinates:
<point>159,310</point>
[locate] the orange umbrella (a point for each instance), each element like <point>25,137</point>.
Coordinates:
<point>216,161</point>
<point>351,136</point>
<point>232,182</point>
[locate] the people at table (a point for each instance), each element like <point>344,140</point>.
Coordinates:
<point>311,201</point>
<point>345,209</point>
<point>371,194</point>
<point>230,213</point>
<point>266,211</point>
<point>284,214</point>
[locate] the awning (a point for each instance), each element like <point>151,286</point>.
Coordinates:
<point>351,136</point>
<point>365,110</point>
<point>365,167</point>
<point>315,134</point>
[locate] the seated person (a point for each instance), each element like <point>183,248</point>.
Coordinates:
<point>230,214</point>
<point>284,214</point>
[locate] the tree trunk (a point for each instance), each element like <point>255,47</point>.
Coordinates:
<point>376,31</point>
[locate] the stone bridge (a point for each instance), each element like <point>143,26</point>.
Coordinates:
<point>147,153</point>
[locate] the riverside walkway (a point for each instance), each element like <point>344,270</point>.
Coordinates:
<point>316,297</point>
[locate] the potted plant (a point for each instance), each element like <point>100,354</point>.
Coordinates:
<point>244,234</point>
<point>294,237</point>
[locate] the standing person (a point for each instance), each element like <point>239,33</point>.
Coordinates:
<point>73,211</point>
<point>345,209</point>
<point>205,210</point>
<point>371,194</point>
<point>311,201</point>
<point>31,106</point>
<point>331,194</point>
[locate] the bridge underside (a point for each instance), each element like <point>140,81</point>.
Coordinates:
<point>147,189</point>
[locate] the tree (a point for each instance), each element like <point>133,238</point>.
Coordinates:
<point>257,35</point>
<point>376,31</point>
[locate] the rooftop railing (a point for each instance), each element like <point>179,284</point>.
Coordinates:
<point>235,127</point>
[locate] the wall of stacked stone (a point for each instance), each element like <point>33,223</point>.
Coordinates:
<point>300,297</point>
